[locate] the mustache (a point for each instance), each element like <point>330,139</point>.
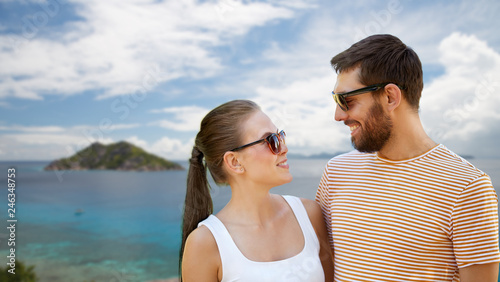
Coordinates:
<point>351,122</point>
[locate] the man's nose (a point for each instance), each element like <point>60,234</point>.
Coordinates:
<point>340,115</point>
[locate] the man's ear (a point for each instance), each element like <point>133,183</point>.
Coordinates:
<point>232,163</point>
<point>392,96</point>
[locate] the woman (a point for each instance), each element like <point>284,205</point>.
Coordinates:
<point>257,236</point>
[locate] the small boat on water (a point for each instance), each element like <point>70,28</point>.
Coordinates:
<point>79,212</point>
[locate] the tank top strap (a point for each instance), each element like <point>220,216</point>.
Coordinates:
<point>229,253</point>
<point>305,223</point>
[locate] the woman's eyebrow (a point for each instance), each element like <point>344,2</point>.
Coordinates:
<point>267,134</point>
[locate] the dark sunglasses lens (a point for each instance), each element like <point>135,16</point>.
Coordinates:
<point>340,101</point>
<point>274,143</point>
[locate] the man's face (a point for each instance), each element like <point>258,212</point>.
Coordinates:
<point>370,126</point>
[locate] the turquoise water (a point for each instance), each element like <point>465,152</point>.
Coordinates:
<point>129,225</point>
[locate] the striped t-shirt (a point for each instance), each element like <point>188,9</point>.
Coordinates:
<point>413,220</point>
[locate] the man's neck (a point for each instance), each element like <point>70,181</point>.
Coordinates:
<point>408,140</point>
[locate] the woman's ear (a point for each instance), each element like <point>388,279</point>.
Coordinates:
<point>232,163</point>
<point>393,96</point>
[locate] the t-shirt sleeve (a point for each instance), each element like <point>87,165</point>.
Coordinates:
<point>474,224</point>
<point>323,198</point>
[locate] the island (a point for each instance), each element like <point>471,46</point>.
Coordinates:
<point>117,156</point>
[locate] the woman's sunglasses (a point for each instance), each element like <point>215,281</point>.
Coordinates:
<point>340,98</point>
<point>274,142</point>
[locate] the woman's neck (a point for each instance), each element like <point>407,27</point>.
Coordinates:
<point>250,205</point>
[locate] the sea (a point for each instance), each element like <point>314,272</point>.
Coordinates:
<point>114,225</point>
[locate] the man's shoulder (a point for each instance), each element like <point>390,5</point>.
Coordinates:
<point>446,157</point>
<point>352,157</point>
<point>353,154</point>
<point>451,165</point>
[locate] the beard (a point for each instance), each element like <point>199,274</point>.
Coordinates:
<point>376,131</point>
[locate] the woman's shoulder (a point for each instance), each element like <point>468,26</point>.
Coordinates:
<point>201,254</point>
<point>201,239</point>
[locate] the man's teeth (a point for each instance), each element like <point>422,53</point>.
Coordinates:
<point>283,163</point>
<point>353,127</point>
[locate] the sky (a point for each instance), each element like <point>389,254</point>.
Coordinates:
<point>74,72</point>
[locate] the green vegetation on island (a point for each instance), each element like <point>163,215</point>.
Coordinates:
<point>116,156</point>
<point>21,273</point>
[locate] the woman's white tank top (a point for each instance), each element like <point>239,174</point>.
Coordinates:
<point>305,266</point>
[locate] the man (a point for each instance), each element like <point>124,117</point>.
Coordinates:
<point>401,207</point>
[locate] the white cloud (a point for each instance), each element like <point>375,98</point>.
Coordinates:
<point>115,44</point>
<point>12,149</point>
<point>179,110</point>
<point>168,148</point>
<point>43,146</point>
<point>48,146</point>
<point>44,139</point>
<point>52,142</point>
<point>172,149</point>
<point>23,1</point>
<point>138,142</point>
<point>33,129</point>
<point>122,126</point>
<point>186,118</point>
<point>463,102</point>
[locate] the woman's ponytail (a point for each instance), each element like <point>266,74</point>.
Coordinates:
<point>220,131</point>
<point>198,203</point>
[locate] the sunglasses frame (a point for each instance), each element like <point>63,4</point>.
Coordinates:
<point>281,138</point>
<point>339,98</point>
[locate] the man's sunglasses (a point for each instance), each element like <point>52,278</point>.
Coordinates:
<point>274,142</point>
<point>340,98</point>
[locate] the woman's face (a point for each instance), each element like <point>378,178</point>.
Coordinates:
<point>262,166</point>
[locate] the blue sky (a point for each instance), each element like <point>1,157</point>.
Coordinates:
<point>73,72</point>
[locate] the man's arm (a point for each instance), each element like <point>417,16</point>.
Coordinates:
<point>475,223</point>
<point>479,273</point>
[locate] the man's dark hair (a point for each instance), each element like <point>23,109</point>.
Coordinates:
<point>384,58</point>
